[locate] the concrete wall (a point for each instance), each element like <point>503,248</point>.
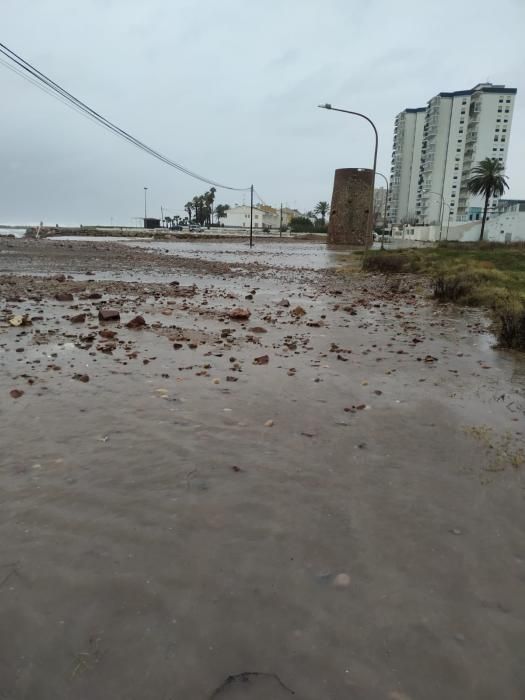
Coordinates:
<point>351,202</point>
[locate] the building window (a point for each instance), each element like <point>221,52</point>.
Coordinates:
<point>505,121</point>
<point>500,110</point>
<point>501,99</point>
<point>508,101</point>
<point>494,149</point>
<point>496,138</point>
<point>507,110</point>
<point>498,120</point>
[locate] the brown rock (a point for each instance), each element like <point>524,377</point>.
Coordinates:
<point>64,296</point>
<point>298,312</point>
<point>284,302</point>
<point>16,393</point>
<point>60,278</point>
<point>106,333</point>
<point>262,360</point>
<point>79,318</point>
<point>94,295</point>
<point>258,329</point>
<point>108,315</point>
<point>177,346</point>
<point>81,378</point>
<point>136,322</point>
<point>240,314</point>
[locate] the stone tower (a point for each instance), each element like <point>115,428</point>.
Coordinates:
<point>351,201</point>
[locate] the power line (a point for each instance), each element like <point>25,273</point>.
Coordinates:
<point>39,79</point>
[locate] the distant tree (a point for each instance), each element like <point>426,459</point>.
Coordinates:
<point>189,208</point>
<point>488,180</point>
<point>321,209</point>
<point>168,220</point>
<point>176,219</point>
<point>220,211</point>
<point>300,224</point>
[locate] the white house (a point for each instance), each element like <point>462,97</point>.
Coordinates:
<point>507,225</point>
<point>239,217</point>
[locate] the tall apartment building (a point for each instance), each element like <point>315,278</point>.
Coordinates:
<point>436,147</point>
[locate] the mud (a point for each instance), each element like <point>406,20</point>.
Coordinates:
<point>180,519</point>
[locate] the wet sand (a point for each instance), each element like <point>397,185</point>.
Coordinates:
<point>343,520</point>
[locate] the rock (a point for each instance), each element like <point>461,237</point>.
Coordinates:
<point>81,378</point>
<point>16,321</point>
<point>79,318</point>
<point>106,333</point>
<point>262,360</point>
<point>298,312</point>
<point>94,295</point>
<point>60,278</point>
<point>232,379</point>
<point>108,315</point>
<point>16,393</point>
<point>137,322</point>
<point>342,581</point>
<point>174,283</point>
<point>64,296</point>
<point>216,380</point>
<point>268,424</point>
<point>239,314</point>
<point>284,302</point>
<point>177,346</point>
<point>257,329</point>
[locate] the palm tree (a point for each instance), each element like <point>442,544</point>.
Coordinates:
<point>487,179</point>
<point>321,208</point>
<point>168,221</point>
<point>189,208</point>
<point>220,211</point>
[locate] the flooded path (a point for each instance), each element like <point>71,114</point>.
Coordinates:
<point>325,499</point>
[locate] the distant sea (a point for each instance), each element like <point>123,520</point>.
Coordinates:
<point>17,232</point>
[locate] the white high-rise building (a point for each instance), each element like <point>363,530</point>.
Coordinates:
<point>435,149</point>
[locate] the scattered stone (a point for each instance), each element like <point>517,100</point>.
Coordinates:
<point>16,393</point>
<point>64,296</point>
<point>232,379</point>
<point>257,329</point>
<point>81,378</point>
<point>137,322</point>
<point>177,346</point>
<point>79,318</point>
<point>284,302</point>
<point>268,424</point>
<point>106,333</point>
<point>108,315</point>
<point>239,314</point>
<point>20,321</point>
<point>298,312</point>
<point>60,278</point>
<point>262,360</point>
<point>216,380</point>
<point>94,295</point>
<point>342,581</point>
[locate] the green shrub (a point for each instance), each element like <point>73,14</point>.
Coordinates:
<point>511,327</point>
<point>385,262</point>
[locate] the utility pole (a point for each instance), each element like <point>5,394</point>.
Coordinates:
<point>251,216</point>
<point>281,222</point>
<point>161,215</point>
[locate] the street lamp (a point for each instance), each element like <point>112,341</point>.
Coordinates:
<point>441,211</point>
<point>386,207</point>
<point>363,116</point>
<point>145,204</point>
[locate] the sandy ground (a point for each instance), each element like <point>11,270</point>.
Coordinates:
<point>327,504</point>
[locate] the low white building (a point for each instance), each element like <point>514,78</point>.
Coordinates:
<point>507,225</point>
<point>239,217</point>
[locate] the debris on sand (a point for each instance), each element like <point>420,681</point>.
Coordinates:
<point>298,312</point>
<point>262,360</point>
<point>108,315</point>
<point>81,378</point>
<point>20,321</point>
<point>16,393</point>
<point>137,322</point>
<point>240,314</point>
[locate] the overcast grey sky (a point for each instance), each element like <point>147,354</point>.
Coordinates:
<point>229,88</point>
